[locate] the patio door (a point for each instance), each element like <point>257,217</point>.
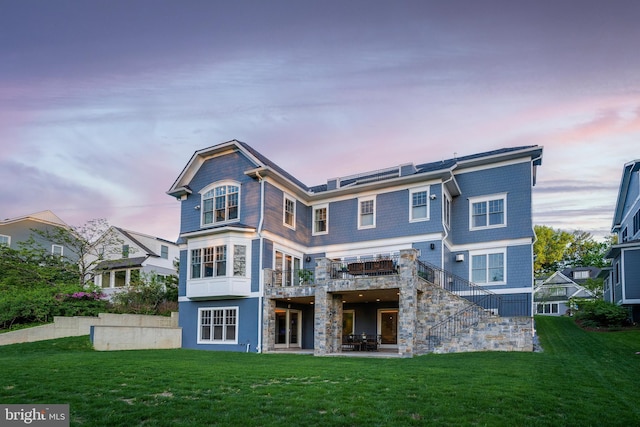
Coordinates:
<point>388,327</point>
<point>288,328</point>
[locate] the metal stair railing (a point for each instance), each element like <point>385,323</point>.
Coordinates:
<point>481,302</point>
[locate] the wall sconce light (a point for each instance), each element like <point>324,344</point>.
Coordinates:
<point>308,259</point>
<point>433,197</point>
<point>197,207</point>
<point>432,246</point>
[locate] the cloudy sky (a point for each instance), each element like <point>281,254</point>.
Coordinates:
<point>102,103</point>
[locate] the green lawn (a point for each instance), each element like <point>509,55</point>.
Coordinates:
<point>580,379</point>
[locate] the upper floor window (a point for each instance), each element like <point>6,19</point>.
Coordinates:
<point>289,209</point>
<point>581,274</point>
<point>220,204</point>
<point>320,219</point>
<point>488,267</point>
<point>57,250</point>
<point>636,223</point>
<point>5,240</point>
<point>488,212</point>
<point>366,212</point>
<point>625,235</point>
<point>125,251</point>
<point>419,209</point>
<point>164,251</point>
<point>212,261</point>
<point>447,210</point>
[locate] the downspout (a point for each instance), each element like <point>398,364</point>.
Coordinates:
<point>444,227</point>
<point>260,272</point>
<point>535,237</point>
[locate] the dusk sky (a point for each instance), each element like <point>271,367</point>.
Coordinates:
<point>102,103</point>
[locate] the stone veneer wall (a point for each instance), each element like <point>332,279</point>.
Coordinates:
<point>495,334</point>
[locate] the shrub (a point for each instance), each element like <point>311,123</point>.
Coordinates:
<point>600,314</point>
<point>147,295</point>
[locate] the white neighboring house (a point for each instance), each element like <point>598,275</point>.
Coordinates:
<point>126,254</point>
<point>551,296</point>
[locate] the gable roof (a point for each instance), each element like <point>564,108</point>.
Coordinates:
<point>43,216</point>
<point>266,167</point>
<point>623,191</point>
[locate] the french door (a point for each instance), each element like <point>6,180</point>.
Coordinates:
<point>288,328</point>
<point>388,327</point>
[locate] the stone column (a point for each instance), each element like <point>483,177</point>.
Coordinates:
<point>407,303</point>
<point>268,325</point>
<point>320,321</point>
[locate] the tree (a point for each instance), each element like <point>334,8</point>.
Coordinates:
<point>584,251</point>
<point>89,244</point>
<point>549,249</point>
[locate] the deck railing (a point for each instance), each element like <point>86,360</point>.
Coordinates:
<point>293,277</point>
<point>365,265</point>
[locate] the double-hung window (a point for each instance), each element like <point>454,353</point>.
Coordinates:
<point>320,219</point>
<point>488,212</point>
<point>289,212</point>
<point>57,250</point>
<point>220,204</point>
<point>419,200</point>
<point>5,240</point>
<point>366,212</point>
<point>164,251</point>
<point>488,268</point>
<point>218,325</point>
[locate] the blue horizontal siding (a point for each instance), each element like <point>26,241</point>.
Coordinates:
<point>515,180</point>
<point>248,309</point>
<point>228,167</point>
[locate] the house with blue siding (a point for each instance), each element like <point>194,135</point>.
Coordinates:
<point>622,286</point>
<point>410,259</point>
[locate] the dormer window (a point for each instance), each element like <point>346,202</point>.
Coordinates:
<point>220,204</point>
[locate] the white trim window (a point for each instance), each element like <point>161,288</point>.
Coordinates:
<point>218,325</point>
<point>550,308</point>
<point>446,210</point>
<point>221,204</point>
<point>488,267</point>
<point>164,251</point>
<point>320,219</point>
<point>488,212</point>
<point>289,211</point>
<point>57,250</point>
<point>366,212</point>
<point>5,240</point>
<point>212,261</point>
<point>419,204</point>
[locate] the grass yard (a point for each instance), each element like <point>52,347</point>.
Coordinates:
<point>581,379</point>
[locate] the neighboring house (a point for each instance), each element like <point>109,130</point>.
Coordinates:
<point>125,255</point>
<point>20,229</point>
<point>269,263</point>
<point>622,286</point>
<point>552,296</point>
<point>581,275</point>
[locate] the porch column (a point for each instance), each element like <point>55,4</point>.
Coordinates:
<point>407,312</point>
<point>407,303</point>
<point>327,334</point>
<point>268,325</point>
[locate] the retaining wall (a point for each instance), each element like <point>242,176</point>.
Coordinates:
<point>81,325</point>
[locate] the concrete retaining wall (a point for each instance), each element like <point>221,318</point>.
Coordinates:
<point>80,325</point>
<point>105,338</point>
